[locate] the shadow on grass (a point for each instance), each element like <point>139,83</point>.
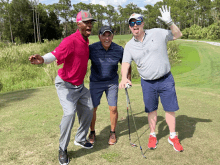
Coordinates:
<point>11,97</point>
<point>185,126</point>
<point>121,130</point>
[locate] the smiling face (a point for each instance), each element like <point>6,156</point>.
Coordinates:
<point>106,39</point>
<point>85,28</point>
<point>137,30</point>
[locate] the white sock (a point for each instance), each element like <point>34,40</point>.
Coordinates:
<point>153,134</point>
<point>172,135</point>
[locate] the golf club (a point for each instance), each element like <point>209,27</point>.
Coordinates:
<point>132,144</point>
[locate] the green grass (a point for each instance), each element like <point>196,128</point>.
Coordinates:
<point>29,127</point>
<point>190,60</point>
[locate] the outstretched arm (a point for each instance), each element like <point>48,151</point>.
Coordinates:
<point>37,59</point>
<point>167,19</point>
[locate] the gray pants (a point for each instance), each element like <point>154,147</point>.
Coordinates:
<point>73,99</point>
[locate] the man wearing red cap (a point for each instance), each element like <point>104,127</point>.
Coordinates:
<point>73,53</point>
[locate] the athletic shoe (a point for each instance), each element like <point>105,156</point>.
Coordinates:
<point>92,138</point>
<point>85,144</point>
<point>152,143</point>
<point>112,139</point>
<point>63,157</point>
<point>176,144</point>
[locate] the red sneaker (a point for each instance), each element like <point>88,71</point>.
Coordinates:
<point>152,143</point>
<point>176,144</point>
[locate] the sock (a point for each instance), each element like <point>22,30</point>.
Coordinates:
<point>172,135</point>
<point>112,131</point>
<point>92,132</point>
<point>153,134</point>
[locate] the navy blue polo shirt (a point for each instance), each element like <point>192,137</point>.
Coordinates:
<point>104,64</point>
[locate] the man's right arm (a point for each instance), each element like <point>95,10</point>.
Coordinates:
<point>124,72</point>
<point>37,59</point>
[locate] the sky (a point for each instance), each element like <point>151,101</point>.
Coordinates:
<point>115,3</point>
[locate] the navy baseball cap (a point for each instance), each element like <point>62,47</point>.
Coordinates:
<point>105,29</point>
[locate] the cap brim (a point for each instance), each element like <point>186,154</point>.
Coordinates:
<point>89,19</point>
<point>106,31</point>
<point>134,18</point>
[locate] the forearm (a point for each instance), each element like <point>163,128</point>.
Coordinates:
<point>176,31</point>
<point>48,58</point>
<point>124,70</point>
<point>129,73</point>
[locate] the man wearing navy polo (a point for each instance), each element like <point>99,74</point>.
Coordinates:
<point>105,56</point>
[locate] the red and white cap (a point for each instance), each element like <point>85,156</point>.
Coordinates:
<point>84,16</point>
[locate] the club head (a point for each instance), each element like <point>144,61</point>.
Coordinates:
<point>133,145</point>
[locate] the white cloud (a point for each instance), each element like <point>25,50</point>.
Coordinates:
<point>109,2</point>
<point>152,1</point>
<point>143,8</point>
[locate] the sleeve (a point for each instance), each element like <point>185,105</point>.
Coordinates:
<point>168,35</point>
<point>127,55</point>
<point>48,58</point>
<point>63,50</point>
<point>122,51</point>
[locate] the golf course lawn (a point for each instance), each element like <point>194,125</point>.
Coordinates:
<point>29,127</point>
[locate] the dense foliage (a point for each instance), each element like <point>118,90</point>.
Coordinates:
<point>17,72</point>
<point>24,21</point>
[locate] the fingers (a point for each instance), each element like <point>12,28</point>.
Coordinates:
<point>161,11</point>
<point>124,83</point>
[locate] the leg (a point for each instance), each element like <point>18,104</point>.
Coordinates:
<point>152,120</point>
<point>169,101</point>
<point>150,97</point>
<point>113,117</point>
<point>92,125</point>
<point>68,99</point>
<point>112,97</point>
<point>85,113</point>
<point>171,121</point>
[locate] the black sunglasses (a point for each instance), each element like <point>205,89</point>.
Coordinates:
<point>133,23</point>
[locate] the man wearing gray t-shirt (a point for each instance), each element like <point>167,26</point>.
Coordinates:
<point>148,49</point>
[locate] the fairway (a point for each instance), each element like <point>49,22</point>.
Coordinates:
<point>29,127</point>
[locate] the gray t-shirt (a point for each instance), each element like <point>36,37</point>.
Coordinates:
<point>150,55</point>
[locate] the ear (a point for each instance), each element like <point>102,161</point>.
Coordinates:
<point>79,24</point>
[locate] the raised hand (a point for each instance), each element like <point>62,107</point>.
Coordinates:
<point>36,59</point>
<point>165,15</point>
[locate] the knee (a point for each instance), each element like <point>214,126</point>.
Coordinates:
<point>113,109</point>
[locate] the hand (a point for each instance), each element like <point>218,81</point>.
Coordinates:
<point>36,59</point>
<point>165,15</point>
<point>124,82</point>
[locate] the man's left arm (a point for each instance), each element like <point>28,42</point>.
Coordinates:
<point>165,12</point>
<point>176,31</point>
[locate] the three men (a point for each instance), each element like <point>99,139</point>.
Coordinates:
<point>73,53</point>
<point>148,48</point>
<point>105,56</point>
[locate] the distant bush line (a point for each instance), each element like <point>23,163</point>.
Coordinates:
<point>17,73</point>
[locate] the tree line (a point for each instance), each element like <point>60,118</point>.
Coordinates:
<point>23,21</point>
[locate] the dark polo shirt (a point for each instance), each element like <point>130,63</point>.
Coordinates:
<point>104,64</point>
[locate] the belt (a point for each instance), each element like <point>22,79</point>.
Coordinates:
<point>164,76</point>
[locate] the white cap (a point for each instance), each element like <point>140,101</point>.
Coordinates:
<point>136,16</point>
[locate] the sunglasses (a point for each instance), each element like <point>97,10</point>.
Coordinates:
<point>133,23</point>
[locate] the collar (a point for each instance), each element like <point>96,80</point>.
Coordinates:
<point>101,47</point>
<point>145,33</point>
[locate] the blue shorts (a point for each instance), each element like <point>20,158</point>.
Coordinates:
<point>111,91</point>
<point>163,87</point>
